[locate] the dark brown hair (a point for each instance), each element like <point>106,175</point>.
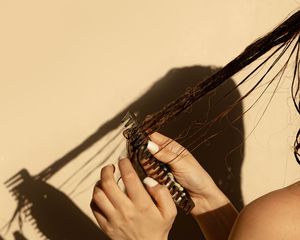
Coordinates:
<point>283,40</point>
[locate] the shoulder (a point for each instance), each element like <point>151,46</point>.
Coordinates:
<point>273,216</point>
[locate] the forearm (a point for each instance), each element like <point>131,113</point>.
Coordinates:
<point>215,215</point>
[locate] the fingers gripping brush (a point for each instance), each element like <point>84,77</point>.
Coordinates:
<point>145,164</point>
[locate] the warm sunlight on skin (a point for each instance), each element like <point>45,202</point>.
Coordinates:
<point>118,215</point>
<point>133,215</point>
<point>273,216</point>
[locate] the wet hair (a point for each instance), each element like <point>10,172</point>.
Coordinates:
<point>281,43</point>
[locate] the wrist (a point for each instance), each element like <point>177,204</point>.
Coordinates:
<point>209,201</point>
<point>214,212</point>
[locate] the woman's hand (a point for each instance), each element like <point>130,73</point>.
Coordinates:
<point>188,173</point>
<point>212,208</point>
<point>134,215</point>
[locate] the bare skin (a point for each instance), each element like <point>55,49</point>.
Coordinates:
<point>132,216</point>
<point>136,216</point>
<point>273,216</point>
<point>209,200</point>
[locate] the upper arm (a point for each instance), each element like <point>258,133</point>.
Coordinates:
<point>273,216</point>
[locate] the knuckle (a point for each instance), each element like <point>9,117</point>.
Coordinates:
<point>145,207</point>
<point>107,170</point>
<point>97,186</point>
<point>107,229</point>
<point>129,176</point>
<point>129,216</point>
<point>165,155</point>
<point>162,190</point>
<point>106,183</point>
<point>171,213</point>
<point>97,194</point>
<point>161,154</point>
<point>127,213</point>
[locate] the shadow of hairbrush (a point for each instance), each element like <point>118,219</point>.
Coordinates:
<point>57,217</point>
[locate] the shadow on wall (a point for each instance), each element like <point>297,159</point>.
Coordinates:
<point>57,217</point>
<point>19,235</point>
<point>51,212</point>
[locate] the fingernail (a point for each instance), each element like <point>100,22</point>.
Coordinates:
<point>150,182</point>
<point>152,147</point>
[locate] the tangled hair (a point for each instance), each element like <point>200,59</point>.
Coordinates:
<point>283,39</point>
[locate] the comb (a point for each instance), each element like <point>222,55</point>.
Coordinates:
<point>145,164</point>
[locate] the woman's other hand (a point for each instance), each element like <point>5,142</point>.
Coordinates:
<point>132,215</point>
<point>188,172</point>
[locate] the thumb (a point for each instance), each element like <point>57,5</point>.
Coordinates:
<point>162,197</point>
<point>162,154</point>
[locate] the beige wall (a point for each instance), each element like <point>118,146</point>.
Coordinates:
<point>68,66</point>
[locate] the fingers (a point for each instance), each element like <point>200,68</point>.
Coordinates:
<point>166,142</point>
<point>134,187</point>
<point>163,154</point>
<point>108,196</point>
<point>100,204</point>
<point>165,149</point>
<point>99,215</point>
<point>160,139</point>
<point>110,188</point>
<point>162,197</point>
